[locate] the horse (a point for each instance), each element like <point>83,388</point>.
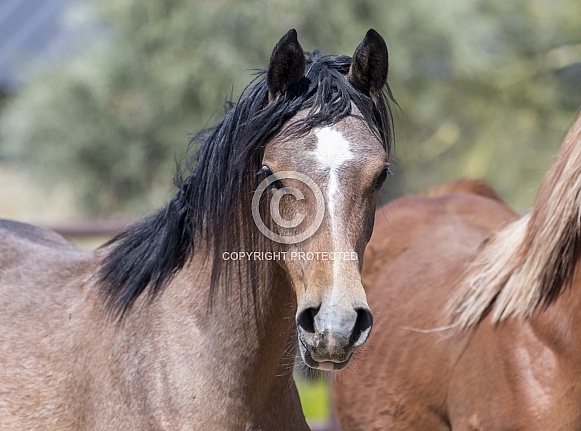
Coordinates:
<point>477,311</point>
<point>189,318</point>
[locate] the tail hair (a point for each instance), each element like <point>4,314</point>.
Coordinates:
<point>532,259</point>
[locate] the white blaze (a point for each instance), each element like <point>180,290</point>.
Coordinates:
<point>332,152</point>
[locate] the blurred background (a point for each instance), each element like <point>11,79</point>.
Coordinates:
<point>98,98</point>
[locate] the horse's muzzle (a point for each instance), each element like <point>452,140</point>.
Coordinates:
<point>328,336</point>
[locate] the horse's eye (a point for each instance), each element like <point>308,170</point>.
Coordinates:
<point>381,178</point>
<point>265,170</point>
<point>273,182</point>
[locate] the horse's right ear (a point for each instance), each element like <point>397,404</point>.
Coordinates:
<point>287,65</point>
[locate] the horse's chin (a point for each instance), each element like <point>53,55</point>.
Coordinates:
<point>329,365</point>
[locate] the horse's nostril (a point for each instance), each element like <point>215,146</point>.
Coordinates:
<point>363,323</point>
<point>306,319</point>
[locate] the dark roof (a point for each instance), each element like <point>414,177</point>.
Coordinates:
<point>32,32</point>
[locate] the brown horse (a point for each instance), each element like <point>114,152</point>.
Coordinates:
<point>186,320</point>
<point>477,312</point>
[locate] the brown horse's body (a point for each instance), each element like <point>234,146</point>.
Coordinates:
<point>427,367</point>
<point>166,327</point>
<point>65,365</point>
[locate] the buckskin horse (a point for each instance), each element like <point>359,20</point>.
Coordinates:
<point>477,312</point>
<point>166,327</point>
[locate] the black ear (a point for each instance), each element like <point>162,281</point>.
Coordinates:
<point>287,65</point>
<point>369,65</point>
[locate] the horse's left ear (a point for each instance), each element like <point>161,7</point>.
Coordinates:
<point>369,65</point>
<point>287,65</point>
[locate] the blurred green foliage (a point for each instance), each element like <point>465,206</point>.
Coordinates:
<point>315,398</point>
<point>485,89</point>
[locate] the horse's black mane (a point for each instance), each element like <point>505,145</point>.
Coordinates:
<point>207,208</point>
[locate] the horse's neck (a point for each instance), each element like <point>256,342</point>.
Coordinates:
<point>246,340</point>
<point>558,323</point>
